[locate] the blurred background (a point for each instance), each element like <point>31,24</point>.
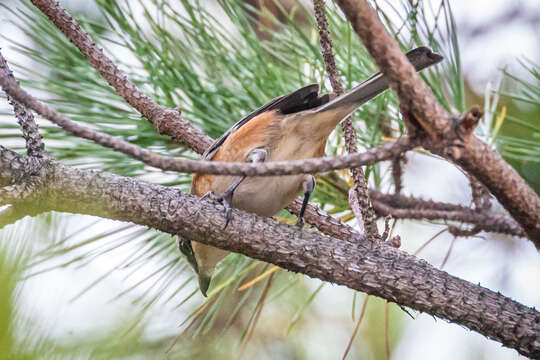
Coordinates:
<point>78,287</point>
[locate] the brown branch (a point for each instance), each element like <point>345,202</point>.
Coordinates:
<point>480,195</point>
<point>397,172</point>
<point>306,166</point>
<point>411,202</point>
<point>313,216</point>
<point>424,115</point>
<point>482,221</point>
<point>355,208</point>
<point>29,128</point>
<point>373,268</point>
<point>170,123</point>
<point>166,121</point>
<point>361,191</point>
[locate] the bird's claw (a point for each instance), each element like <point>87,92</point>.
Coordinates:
<point>224,199</point>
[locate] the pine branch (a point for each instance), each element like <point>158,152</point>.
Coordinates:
<point>166,121</point>
<point>374,268</point>
<point>361,191</point>
<point>307,166</point>
<point>424,115</point>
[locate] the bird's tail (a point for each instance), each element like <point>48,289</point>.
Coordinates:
<point>420,58</point>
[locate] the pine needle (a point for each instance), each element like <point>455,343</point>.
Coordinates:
<point>355,331</point>
<point>498,124</point>
<point>258,278</point>
<point>448,252</point>
<point>258,312</point>
<point>429,241</point>
<point>195,315</point>
<point>387,329</point>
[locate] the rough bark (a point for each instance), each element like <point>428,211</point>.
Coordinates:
<point>360,188</point>
<point>374,268</point>
<point>423,113</point>
<point>166,121</point>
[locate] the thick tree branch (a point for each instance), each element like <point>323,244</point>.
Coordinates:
<point>166,121</point>
<point>423,113</point>
<point>194,138</point>
<point>503,181</point>
<point>360,188</point>
<point>373,268</point>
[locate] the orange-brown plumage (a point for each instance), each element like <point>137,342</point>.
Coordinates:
<point>290,127</point>
<point>236,148</point>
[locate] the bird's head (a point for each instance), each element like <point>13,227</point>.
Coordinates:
<point>203,259</point>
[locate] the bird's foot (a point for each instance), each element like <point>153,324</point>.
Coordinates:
<point>225,199</point>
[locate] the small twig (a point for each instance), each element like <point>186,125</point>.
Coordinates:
<point>403,207</point>
<point>384,235</point>
<point>411,202</point>
<point>360,184</point>
<point>29,128</point>
<point>389,240</point>
<point>397,172</point>
<point>469,121</point>
<point>480,195</point>
<point>458,232</point>
<point>356,208</point>
<point>325,223</point>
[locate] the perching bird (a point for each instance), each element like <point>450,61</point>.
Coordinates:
<point>290,127</point>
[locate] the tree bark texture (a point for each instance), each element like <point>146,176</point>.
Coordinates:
<point>374,268</point>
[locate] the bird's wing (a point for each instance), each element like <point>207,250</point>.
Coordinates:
<point>299,100</point>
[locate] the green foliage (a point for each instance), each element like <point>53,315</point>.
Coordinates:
<point>216,68</point>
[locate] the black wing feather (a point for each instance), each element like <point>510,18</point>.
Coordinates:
<point>299,100</point>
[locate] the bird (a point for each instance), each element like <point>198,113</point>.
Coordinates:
<point>290,127</point>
